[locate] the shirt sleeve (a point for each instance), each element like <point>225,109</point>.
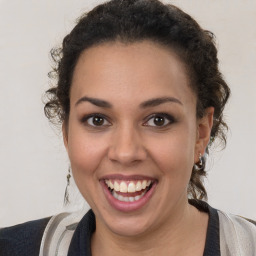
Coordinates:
<point>23,239</point>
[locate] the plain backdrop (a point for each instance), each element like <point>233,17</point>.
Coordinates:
<point>33,162</point>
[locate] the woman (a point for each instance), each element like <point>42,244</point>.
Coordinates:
<point>140,99</point>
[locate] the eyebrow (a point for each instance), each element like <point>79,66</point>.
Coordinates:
<point>96,102</point>
<point>149,103</point>
<point>158,101</point>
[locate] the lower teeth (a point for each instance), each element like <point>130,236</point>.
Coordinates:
<point>127,199</point>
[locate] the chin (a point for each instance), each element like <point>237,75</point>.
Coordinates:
<point>129,226</point>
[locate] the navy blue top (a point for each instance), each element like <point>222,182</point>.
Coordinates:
<point>25,239</point>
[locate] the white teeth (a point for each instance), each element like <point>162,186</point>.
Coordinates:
<point>128,186</point>
<point>144,184</point>
<point>111,185</point>
<point>131,199</point>
<point>120,198</point>
<point>116,186</point>
<point>123,187</point>
<point>138,186</point>
<point>137,198</point>
<point>115,195</point>
<point>131,187</point>
<point>127,199</point>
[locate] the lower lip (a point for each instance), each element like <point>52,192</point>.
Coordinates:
<point>127,206</point>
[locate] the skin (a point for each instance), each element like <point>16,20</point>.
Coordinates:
<point>129,143</point>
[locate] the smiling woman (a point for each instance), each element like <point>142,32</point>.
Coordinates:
<point>145,132</point>
<point>140,99</point>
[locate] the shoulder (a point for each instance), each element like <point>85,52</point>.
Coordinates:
<point>23,239</point>
<point>237,234</point>
<point>63,228</point>
<point>227,233</point>
<point>240,224</point>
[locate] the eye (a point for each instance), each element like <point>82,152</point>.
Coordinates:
<point>96,120</point>
<point>159,120</point>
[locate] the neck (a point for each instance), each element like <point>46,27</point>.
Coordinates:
<point>184,232</point>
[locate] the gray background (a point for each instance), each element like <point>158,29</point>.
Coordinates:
<point>33,162</point>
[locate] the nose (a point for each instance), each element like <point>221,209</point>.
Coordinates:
<point>127,146</point>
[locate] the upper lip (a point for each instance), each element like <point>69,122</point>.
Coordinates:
<point>126,177</point>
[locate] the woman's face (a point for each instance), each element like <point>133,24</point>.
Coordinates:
<point>132,135</point>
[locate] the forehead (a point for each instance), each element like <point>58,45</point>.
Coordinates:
<point>137,70</point>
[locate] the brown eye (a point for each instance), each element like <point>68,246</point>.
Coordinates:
<point>159,120</point>
<point>96,121</point>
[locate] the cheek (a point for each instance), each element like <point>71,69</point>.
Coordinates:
<point>174,154</point>
<point>85,151</point>
<point>85,154</point>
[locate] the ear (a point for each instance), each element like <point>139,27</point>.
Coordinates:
<point>65,134</point>
<point>204,127</point>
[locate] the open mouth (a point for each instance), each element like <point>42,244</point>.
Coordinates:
<point>129,191</point>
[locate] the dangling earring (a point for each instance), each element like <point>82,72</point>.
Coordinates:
<point>200,165</point>
<point>66,196</point>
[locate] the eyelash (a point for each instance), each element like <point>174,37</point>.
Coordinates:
<point>168,119</point>
<point>96,115</point>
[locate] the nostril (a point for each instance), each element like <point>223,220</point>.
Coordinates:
<point>126,156</point>
<point>126,145</point>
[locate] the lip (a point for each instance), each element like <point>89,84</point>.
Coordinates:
<point>127,206</point>
<point>125,177</point>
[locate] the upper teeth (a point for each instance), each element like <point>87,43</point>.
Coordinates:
<point>128,186</point>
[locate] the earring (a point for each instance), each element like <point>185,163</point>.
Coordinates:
<point>200,160</point>
<point>199,165</point>
<point>66,196</point>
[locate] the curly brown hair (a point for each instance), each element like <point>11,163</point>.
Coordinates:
<point>131,21</point>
